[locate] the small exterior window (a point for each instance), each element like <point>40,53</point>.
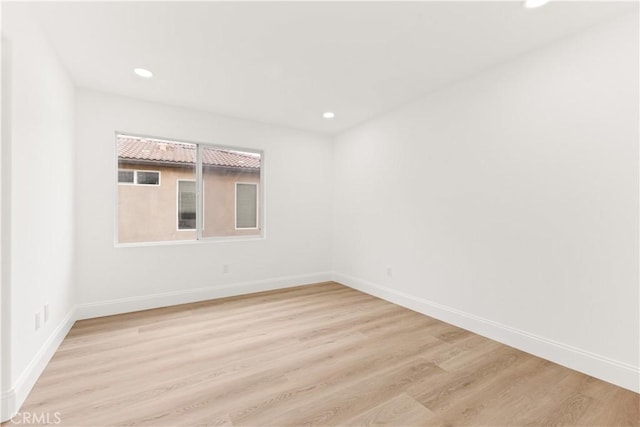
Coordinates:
<point>147,178</point>
<point>126,177</point>
<point>186,205</point>
<point>246,205</point>
<point>138,177</point>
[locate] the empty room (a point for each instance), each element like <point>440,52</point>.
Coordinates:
<point>420,213</point>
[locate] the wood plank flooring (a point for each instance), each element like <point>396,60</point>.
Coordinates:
<point>316,355</point>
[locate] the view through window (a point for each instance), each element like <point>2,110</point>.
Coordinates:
<point>161,195</point>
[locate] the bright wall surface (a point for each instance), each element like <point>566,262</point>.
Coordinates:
<point>296,249</point>
<point>509,199</point>
<point>38,196</point>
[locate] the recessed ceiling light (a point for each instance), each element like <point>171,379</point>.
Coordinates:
<point>143,73</point>
<point>531,4</point>
<point>328,115</point>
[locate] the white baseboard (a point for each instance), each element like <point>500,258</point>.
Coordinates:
<point>606,369</point>
<point>13,399</point>
<point>8,405</point>
<point>166,299</point>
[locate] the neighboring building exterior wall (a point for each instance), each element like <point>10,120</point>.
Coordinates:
<point>149,213</point>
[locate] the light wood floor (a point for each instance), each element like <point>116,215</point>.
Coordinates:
<point>315,355</point>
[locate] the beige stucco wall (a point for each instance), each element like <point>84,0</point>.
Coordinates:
<point>219,201</point>
<point>148,213</point>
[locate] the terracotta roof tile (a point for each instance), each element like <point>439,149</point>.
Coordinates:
<point>152,150</point>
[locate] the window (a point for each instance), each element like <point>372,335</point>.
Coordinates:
<point>147,178</point>
<point>126,177</point>
<point>138,177</point>
<point>186,205</point>
<point>246,205</point>
<point>206,191</point>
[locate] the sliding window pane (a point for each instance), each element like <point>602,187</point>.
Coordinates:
<point>223,172</point>
<point>151,175</point>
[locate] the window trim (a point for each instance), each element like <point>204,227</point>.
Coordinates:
<point>135,177</point>
<point>235,206</point>
<point>199,239</point>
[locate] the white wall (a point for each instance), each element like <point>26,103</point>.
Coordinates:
<point>297,170</point>
<point>508,203</point>
<point>5,235</point>
<point>38,200</point>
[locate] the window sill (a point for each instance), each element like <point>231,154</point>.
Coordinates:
<point>192,242</point>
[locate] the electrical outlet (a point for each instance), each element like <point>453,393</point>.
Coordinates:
<point>46,312</point>
<point>225,268</point>
<point>38,321</point>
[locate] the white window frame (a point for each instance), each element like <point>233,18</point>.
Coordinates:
<point>199,239</point>
<point>235,206</point>
<point>135,177</point>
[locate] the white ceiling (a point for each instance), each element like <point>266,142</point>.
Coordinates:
<point>286,63</point>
